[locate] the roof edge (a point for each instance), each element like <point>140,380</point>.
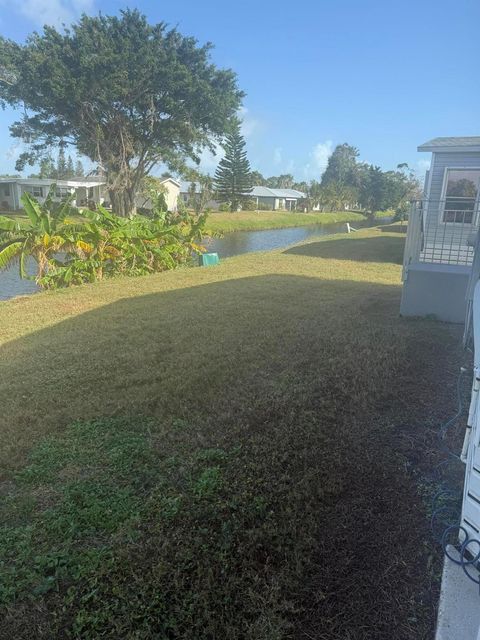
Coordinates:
<point>449,148</point>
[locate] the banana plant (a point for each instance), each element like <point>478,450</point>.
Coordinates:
<point>94,244</point>
<point>42,237</point>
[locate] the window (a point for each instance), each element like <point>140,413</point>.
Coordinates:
<point>461,193</point>
<point>62,192</point>
<point>36,192</point>
<point>6,190</point>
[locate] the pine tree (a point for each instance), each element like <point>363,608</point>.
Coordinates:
<point>61,164</point>
<point>47,168</point>
<point>79,171</point>
<point>233,180</point>
<point>70,168</point>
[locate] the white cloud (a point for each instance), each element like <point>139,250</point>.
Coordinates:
<point>53,12</point>
<point>321,153</point>
<point>318,160</point>
<point>277,156</point>
<point>250,125</point>
<point>209,161</point>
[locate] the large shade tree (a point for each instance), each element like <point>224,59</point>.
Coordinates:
<point>126,94</point>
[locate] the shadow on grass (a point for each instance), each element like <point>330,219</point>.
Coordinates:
<point>168,351</point>
<point>278,366</point>
<point>377,249</point>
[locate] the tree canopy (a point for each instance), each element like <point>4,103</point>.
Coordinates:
<point>125,93</point>
<point>284,181</point>
<point>341,167</point>
<point>258,180</point>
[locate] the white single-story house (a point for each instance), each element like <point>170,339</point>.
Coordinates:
<point>90,190</point>
<point>277,199</point>
<point>274,199</point>
<point>442,231</point>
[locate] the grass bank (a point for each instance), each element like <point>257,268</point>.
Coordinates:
<point>229,452</point>
<point>226,222</point>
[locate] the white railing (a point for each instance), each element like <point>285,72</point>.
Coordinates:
<point>440,234</point>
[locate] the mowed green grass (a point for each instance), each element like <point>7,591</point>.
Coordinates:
<point>226,222</point>
<point>220,452</point>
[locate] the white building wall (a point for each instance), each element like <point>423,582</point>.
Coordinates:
<point>171,196</point>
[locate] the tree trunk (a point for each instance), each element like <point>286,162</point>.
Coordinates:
<point>123,186</point>
<point>123,201</point>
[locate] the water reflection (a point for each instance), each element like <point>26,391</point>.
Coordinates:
<point>234,244</point>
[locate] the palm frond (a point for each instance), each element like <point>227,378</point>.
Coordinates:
<point>32,208</point>
<point>9,254</point>
<point>65,208</point>
<point>23,266</point>
<point>48,204</point>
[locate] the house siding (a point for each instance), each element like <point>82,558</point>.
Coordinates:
<point>433,210</point>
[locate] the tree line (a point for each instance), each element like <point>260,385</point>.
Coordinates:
<point>63,169</point>
<point>346,183</point>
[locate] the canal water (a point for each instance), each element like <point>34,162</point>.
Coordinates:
<point>238,242</point>
<point>232,244</point>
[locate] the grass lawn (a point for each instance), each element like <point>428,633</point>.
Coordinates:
<point>225,222</point>
<point>231,452</point>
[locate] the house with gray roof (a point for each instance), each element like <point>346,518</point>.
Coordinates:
<point>277,199</point>
<point>274,199</point>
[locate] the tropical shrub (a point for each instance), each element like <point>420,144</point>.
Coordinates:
<point>96,244</point>
<point>249,205</point>
<point>50,230</point>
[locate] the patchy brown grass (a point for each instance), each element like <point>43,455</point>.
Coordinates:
<point>289,410</point>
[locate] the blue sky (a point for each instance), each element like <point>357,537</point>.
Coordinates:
<point>384,76</point>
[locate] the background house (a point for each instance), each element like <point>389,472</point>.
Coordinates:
<point>88,189</point>
<point>172,193</point>
<point>185,194</point>
<point>277,199</point>
<point>274,199</point>
<point>442,228</point>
